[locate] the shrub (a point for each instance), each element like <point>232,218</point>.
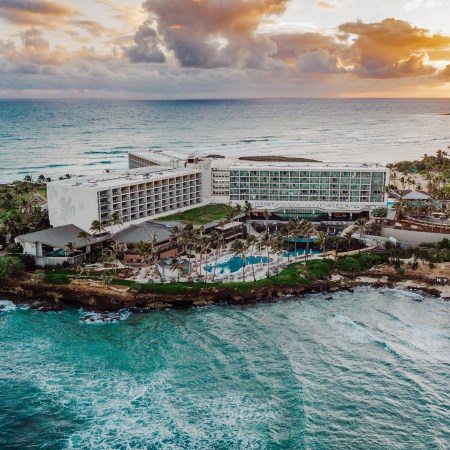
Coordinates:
<point>400,270</point>
<point>56,278</point>
<point>10,266</point>
<point>348,264</point>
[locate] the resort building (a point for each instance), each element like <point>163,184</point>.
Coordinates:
<point>135,195</point>
<point>158,183</point>
<point>50,247</point>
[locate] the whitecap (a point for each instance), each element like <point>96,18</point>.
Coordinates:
<point>100,318</point>
<point>6,306</point>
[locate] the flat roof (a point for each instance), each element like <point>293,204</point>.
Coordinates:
<point>307,165</point>
<point>161,157</point>
<point>129,177</point>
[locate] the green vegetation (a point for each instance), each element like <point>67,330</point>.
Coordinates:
<point>359,263</point>
<point>199,216</point>
<point>10,266</point>
<point>434,168</point>
<point>17,215</point>
<point>297,273</point>
<point>56,278</point>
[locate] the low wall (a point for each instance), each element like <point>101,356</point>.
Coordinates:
<point>414,237</point>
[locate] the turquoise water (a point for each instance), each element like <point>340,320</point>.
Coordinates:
<point>235,264</point>
<point>301,251</point>
<point>368,370</point>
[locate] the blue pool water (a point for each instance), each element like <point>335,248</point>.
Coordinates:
<point>235,264</point>
<point>301,252</point>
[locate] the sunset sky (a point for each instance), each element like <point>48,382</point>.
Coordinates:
<point>224,48</point>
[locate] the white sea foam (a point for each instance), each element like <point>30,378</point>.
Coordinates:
<point>7,306</point>
<point>103,317</point>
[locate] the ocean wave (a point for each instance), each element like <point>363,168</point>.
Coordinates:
<point>104,317</point>
<point>359,333</point>
<point>8,306</point>
<point>105,152</point>
<point>98,162</point>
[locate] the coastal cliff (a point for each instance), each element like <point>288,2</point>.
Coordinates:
<point>100,297</point>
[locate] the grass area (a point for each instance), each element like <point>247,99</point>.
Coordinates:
<point>199,216</point>
<point>42,191</point>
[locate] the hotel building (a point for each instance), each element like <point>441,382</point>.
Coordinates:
<point>135,195</point>
<point>158,183</point>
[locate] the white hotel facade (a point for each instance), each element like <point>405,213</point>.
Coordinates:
<point>158,183</point>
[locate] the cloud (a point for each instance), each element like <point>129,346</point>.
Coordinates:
<point>429,4</point>
<point>391,48</point>
<point>93,27</point>
<point>34,12</point>
<point>215,33</point>
<point>327,5</point>
<point>146,46</point>
<point>309,52</point>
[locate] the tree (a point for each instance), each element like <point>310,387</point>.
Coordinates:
<point>84,235</point>
<point>97,228</point>
<point>266,242</point>
<point>266,215</point>
<point>10,266</point>
<point>294,227</point>
<point>70,248</point>
<point>250,242</point>
<point>238,248</point>
<point>321,241</point>
<point>177,265</point>
<point>361,228</point>
<point>308,231</point>
<point>215,237</point>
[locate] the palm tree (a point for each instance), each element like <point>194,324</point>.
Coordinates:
<point>176,235</point>
<point>97,228</point>
<point>84,235</point>
<point>202,247</point>
<point>348,237</point>
<point>361,228</point>
<point>337,241</point>
<point>266,215</point>
<point>308,231</point>
<point>321,241</point>
<point>144,250</point>
<point>294,226</point>
<point>70,248</point>
<point>278,247</point>
<point>116,219</point>
<point>215,237</point>
<point>41,179</point>
<point>266,242</point>
<point>177,265</point>
<point>238,249</point>
<point>250,242</point>
<point>222,224</point>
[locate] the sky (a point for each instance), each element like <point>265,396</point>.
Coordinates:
<point>167,49</point>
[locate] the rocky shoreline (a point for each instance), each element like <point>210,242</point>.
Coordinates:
<point>111,298</point>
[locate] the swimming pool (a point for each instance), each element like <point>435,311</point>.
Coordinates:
<point>301,252</point>
<point>235,263</point>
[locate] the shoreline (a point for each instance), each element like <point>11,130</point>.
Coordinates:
<point>103,299</point>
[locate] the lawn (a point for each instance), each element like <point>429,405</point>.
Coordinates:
<point>42,191</point>
<point>199,216</point>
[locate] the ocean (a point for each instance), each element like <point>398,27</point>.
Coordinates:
<point>55,137</point>
<point>368,370</point>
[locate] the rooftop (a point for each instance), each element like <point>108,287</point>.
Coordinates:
<point>129,177</point>
<point>58,237</point>
<point>311,165</point>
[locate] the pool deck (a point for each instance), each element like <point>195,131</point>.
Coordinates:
<point>278,263</point>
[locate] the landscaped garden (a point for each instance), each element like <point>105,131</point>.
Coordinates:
<point>200,216</point>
